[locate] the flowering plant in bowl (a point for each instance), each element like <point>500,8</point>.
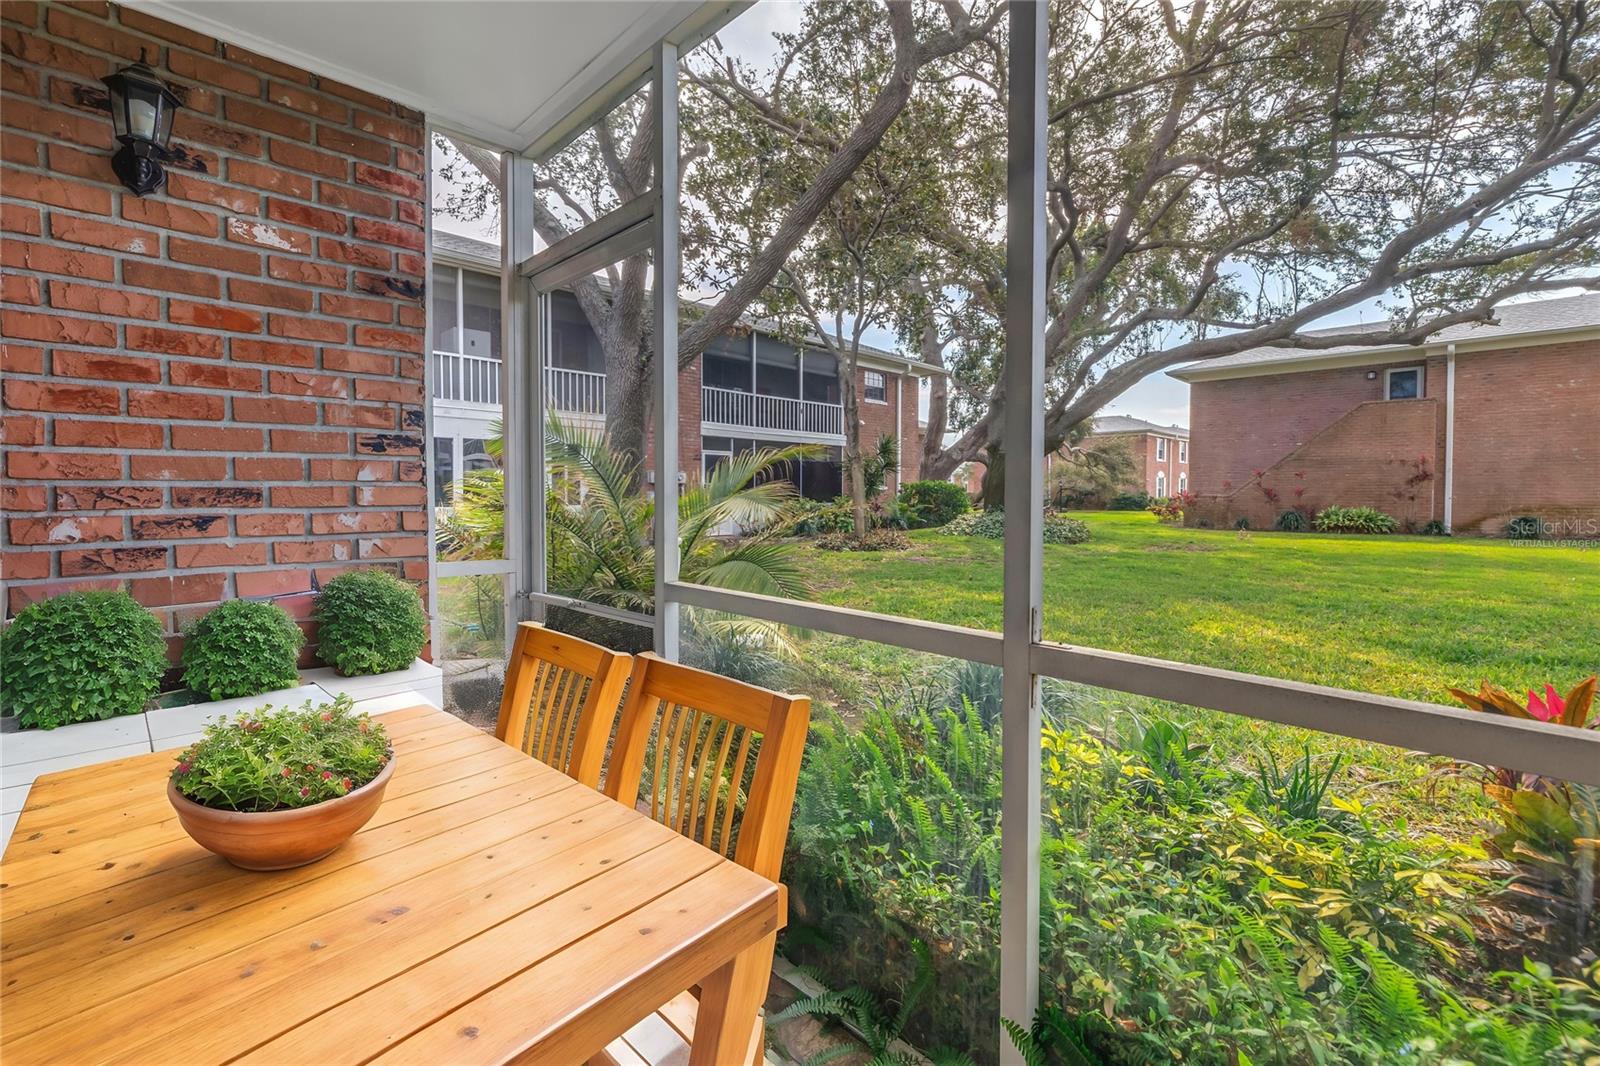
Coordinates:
<point>270,789</point>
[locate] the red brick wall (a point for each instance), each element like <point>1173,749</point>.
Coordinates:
<point>1527,438</point>
<point>1240,425</point>
<point>1142,448</point>
<point>1365,459</point>
<point>215,390</point>
<point>898,421</point>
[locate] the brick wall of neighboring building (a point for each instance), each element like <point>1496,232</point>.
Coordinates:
<point>1527,438</point>
<point>1369,457</point>
<point>1147,463</point>
<point>215,390</point>
<point>892,418</point>
<point>1240,425</point>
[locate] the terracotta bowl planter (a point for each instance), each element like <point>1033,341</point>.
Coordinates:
<point>278,840</point>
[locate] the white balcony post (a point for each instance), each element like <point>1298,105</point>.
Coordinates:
<point>665,245</point>
<point>1026,160</point>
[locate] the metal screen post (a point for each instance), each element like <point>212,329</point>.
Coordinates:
<point>1024,500</point>
<point>664,86</point>
<point>522,393</point>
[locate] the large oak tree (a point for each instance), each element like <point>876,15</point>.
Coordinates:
<point>1222,174</point>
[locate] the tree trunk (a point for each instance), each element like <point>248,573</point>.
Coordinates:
<point>993,493</point>
<point>628,408</point>
<point>854,467</point>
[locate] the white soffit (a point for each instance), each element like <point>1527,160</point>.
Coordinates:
<point>502,71</point>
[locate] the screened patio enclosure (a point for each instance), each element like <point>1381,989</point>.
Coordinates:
<point>650,226</point>
<point>631,52</point>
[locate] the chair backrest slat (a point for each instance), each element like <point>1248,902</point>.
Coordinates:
<point>686,725</point>
<point>560,700</point>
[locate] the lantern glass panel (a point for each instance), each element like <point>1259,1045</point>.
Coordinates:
<point>142,116</point>
<point>164,122</point>
<point>119,113</point>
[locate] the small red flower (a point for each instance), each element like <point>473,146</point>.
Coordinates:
<point>327,717</point>
<point>185,767</point>
<point>346,783</point>
<point>287,772</point>
<point>327,774</point>
<point>304,792</point>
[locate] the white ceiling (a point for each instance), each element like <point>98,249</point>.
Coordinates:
<point>503,71</point>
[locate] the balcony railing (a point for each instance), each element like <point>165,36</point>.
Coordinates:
<point>729,407</point>
<point>466,378</point>
<point>476,379</point>
<point>575,392</point>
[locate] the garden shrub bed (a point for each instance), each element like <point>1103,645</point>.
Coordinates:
<point>991,524</point>
<point>1196,908</point>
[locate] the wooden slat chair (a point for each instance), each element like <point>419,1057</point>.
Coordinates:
<point>718,761</point>
<point>560,700</point>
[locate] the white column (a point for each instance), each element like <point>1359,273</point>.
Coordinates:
<point>1449,435</point>
<point>664,84</point>
<point>522,393</point>
<point>1026,161</point>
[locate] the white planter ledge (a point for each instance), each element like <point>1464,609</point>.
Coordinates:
<point>27,753</point>
<point>418,679</point>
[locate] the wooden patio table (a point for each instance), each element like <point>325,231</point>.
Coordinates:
<point>494,910</point>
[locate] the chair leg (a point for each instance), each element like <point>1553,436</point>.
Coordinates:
<point>729,1000</point>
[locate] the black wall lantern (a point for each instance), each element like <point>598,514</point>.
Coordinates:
<point>141,110</point>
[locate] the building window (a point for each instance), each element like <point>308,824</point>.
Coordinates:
<point>1183,451</point>
<point>1403,383</point>
<point>1161,449</point>
<point>1161,483</point>
<point>1183,482</point>
<point>877,388</point>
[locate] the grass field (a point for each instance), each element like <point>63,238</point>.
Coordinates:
<point>1399,616</point>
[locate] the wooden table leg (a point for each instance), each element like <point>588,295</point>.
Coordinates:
<point>730,1002</point>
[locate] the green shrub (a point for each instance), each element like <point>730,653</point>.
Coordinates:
<point>1291,522</point>
<point>1129,501</point>
<point>369,622</point>
<point>79,657</point>
<point>1434,528</point>
<point>1525,527</point>
<point>875,540</point>
<point>242,648</point>
<point>1353,520</point>
<point>1242,522</point>
<point>934,503</point>
<point>1059,529</point>
<point>1193,906</point>
<point>991,524</point>
<point>273,760</point>
<point>816,517</point>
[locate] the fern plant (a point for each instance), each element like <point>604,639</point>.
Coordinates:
<point>879,1025</point>
<point>1054,1037</point>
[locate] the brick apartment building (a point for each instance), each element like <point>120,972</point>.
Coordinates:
<point>1160,453</point>
<point>1160,456</point>
<point>749,390</point>
<point>215,390</point>
<point>1477,426</point>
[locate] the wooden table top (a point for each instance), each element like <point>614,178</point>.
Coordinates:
<point>492,910</point>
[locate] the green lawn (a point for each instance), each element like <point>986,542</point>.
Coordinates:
<point>1400,616</point>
